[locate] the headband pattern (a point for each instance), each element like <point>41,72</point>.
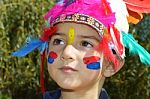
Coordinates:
<point>81,18</point>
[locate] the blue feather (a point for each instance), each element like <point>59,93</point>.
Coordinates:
<point>43,47</point>
<point>30,45</point>
<point>60,2</point>
<point>68,2</point>
<point>135,48</point>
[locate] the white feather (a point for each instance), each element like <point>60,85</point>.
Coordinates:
<point>121,13</point>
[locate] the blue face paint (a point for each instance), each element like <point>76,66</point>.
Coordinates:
<point>94,66</point>
<point>51,57</point>
<point>50,60</point>
<point>92,62</point>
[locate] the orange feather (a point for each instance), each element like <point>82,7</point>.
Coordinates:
<point>139,6</point>
<point>134,17</point>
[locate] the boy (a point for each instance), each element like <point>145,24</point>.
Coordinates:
<point>84,42</point>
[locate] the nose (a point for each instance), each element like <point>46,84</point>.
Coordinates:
<point>68,54</point>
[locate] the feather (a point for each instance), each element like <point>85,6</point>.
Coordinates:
<point>135,48</point>
<point>134,17</point>
<point>42,72</point>
<point>60,2</point>
<point>43,47</point>
<point>106,7</point>
<point>121,13</point>
<point>32,43</point>
<point>29,46</point>
<point>104,47</point>
<point>47,23</point>
<point>48,32</point>
<point>140,6</point>
<point>117,40</point>
<point>68,2</point>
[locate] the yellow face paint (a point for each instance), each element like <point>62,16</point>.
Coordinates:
<point>70,36</point>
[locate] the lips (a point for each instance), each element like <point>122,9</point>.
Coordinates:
<point>67,69</point>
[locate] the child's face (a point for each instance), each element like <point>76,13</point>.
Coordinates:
<point>68,69</point>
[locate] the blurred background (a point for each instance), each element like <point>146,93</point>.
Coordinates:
<point>19,77</point>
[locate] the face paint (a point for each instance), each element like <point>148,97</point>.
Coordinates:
<point>50,60</point>
<point>92,62</point>
<point>51,57</point>
<point>70,36</point>
<point>88,60</point>
<point>94,65</point>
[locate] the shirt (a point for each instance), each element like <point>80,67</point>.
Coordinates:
<point>57,93</point>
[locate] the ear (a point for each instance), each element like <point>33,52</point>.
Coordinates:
<point>108,69</point>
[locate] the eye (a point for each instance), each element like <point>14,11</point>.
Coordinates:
<point>86,44</point>
<point>58,42</point>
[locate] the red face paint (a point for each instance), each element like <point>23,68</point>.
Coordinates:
<point>93,62</point>
<point>53,55</point>
<point>91,59</point>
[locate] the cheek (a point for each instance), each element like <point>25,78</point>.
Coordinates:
<point>51,57</point>
<point>90,76</point>
<point>52,63</point>
<point>52,70</point>
<point>92,62</point>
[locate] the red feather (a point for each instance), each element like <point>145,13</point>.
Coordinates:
<point>140,6</point>
<point>106,7</point>
<point>103,46</point>
<point>42,73</point>
<point>47,33</point>
<point>119,45</point>
<point>134,17</point>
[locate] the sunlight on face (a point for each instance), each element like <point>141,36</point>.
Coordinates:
<point>68,69</point>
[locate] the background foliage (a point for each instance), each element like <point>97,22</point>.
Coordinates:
<point>19,77</point>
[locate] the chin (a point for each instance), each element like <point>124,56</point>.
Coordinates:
<point>69,85</point>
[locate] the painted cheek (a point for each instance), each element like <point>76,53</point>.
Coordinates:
<point>50,60</point>
<point>91,59</point>
<point>94,66</point>
<point>51,57</point>
<point>92,62</point>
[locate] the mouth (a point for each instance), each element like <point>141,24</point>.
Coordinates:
<point>67,69</point>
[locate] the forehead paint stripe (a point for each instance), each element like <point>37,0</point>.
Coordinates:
<point>94,66</point>
<point>70,36</point>
<point>91,59</point>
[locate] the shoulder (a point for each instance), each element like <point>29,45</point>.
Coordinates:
<point>57,93</point>
<point>52,94</point>
<point>103,94</point>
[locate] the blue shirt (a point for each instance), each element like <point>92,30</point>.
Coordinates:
<point>57,93</point>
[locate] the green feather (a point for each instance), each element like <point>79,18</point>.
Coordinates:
<point>135,48</point>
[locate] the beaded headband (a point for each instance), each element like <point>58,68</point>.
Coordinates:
<point>81,18</point>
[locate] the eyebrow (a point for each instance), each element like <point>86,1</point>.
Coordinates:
<point>59,34</point>
<point>82,36</point>
<point>90,37</point>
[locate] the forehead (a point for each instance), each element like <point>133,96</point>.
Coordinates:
<point>80,29</point>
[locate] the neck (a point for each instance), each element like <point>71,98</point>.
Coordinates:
<point>91,92</point>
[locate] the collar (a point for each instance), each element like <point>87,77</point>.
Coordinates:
<point>57,93</point>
